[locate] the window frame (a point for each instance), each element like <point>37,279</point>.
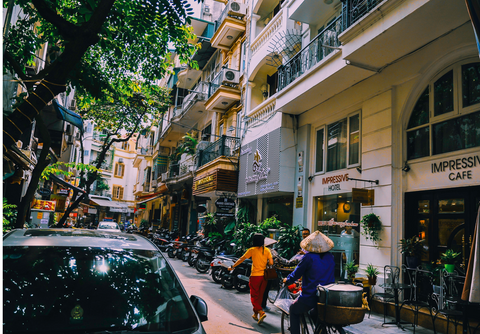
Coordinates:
<point>458,109</point>
<point>117,192</point>
<point>324,127</point>
<point>117,165</point>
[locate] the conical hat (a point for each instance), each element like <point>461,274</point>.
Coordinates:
<point>317,242</point>
<point>269,241</point>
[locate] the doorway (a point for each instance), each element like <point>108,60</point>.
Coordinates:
<point>444,218</point>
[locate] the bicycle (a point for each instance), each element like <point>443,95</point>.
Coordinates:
<point>309,322</point>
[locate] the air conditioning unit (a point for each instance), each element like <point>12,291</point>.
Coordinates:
<point>120,160</point>
<point>164,176</point>
<point>237,9</point>
<point>231,76</point>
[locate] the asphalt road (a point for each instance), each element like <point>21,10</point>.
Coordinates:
<point>229,311</point>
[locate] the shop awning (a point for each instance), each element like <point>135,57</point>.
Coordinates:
<point>114,206</point>
<point>149,199</point>
<point>68,116</point>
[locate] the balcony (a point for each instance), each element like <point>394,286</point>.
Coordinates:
<point>223,91</point>
<point>318,49</point>
<point>229,26</point>
<point>106,167</point>
<point>183,168</point>
<point>146,187</point>
<point>145,150</point>
<point>192,106</point>
<point>225,146</point>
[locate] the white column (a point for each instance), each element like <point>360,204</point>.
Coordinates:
<point>250,86</point>
<point>253,33</point>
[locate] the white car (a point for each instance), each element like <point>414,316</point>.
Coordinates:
<point>108,226</point>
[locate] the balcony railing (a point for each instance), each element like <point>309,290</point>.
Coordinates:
<point>145,150</point>
<point>354,10</point>
<point>225,146</point>
<point>223,16</point>
<point>174,170</point>
<point>221,80</point>
<point>199,93</point>
<point>106,166</point>
<point>320,47</point>
<point>181,168</point>
<point>267,33</point>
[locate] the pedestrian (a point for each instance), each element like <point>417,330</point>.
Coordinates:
<point>315,268</point>
<point>261,256</point>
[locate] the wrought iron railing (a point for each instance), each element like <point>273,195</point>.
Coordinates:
<point>320,47</point>
<point>198,93</point>
<point>145,150</point>
<point>225,146</point>
<point>354,10</point>
<point>221,79</point>
<point>174,170</point>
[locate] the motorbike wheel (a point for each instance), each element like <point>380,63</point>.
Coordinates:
<point>227,281</point>
<point>171,253</point>
<point>179,253</point>
<point>201,268</point>
<point>192,260</point>
<point>217,273</point>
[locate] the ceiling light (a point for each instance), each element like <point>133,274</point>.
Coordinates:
<point>229,37</point>
<point>224,103</point>
<point>328,1</point>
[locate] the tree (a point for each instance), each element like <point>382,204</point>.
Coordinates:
<point>102,48</point>
<point>120,120</point>
<point>95,46</point>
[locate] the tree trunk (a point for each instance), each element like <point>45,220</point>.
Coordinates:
<point>42,163</point>
<point>54,82</point>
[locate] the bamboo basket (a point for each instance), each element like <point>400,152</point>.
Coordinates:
<point>340,315</point>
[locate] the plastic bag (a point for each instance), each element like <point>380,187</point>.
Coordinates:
<point>284,300</point>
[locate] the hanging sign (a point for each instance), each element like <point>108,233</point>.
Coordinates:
<point>225,203</point>
<point>360,195</point>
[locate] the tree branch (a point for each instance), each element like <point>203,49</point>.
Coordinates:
<point>66,29</point>
<point>15,65</point>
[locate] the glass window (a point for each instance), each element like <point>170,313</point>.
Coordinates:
<point>456,134</point>
<point>320,148</point>
<point>443,94</point>
<point>420,113</point>
<point>451,205</point>
<point>354,140</point>
<point>418,143</point>
<point>337,146</point>
<point>90,289</point>
<point>471,84</point>
<point>424,206</point>
<point>86,153</point>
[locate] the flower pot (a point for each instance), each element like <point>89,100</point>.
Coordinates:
<point>450,268</point>
<point>412,261</point>
<point>372,280</point>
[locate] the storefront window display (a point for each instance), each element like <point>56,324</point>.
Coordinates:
<point>339,218</point>
<point>281,207</point>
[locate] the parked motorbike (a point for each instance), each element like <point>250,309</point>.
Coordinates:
<point>239,277</point>
<point>205,256</point>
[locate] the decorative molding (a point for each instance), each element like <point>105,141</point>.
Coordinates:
<point>266,34</point>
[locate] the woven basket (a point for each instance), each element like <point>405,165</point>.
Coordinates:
<point>340,315</point>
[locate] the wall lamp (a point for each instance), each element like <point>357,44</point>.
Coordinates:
<point>359,169</point>
<point>310,178</point>
<point>406,167</point>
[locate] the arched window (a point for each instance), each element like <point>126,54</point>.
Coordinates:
<point>446,116</point>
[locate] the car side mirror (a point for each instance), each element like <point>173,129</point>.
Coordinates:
<point>200,307</point>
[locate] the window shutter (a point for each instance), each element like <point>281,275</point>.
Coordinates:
<point>120,195</point>
<point>116,169</point>
<point>114,192</point>
<point>123,170</point>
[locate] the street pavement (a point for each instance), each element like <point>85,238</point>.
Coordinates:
<point>230,311</point>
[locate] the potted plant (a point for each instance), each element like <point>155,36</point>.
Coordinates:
<point>372,274</point>
<point>351,268</point>
<point>413,250</point>
<point>371,227</point>
<point>449,258</point>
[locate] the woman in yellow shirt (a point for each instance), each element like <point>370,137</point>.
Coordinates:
<point>261,256</point>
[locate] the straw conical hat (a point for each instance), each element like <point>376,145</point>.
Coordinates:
<point>317,242</point>
<point>269,241</point>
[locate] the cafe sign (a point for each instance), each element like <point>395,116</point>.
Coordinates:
<point>457,169</point>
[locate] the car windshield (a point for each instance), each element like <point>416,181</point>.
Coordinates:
<point>103,226</point>
<point>86,289</point>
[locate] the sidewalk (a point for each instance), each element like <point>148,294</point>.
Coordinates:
<point>374,324</point>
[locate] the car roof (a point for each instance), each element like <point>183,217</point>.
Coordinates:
<point>67,237</point>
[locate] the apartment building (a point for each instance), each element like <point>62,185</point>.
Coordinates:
<point>380,100</point>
